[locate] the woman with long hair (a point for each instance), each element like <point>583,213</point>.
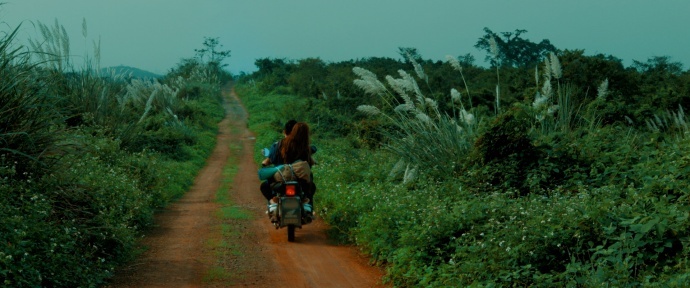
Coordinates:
<point>297,145</point>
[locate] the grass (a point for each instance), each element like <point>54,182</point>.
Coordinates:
<point>225,247</point>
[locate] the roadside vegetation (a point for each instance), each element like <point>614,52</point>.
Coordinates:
<point>86,159</point>
<point>548,168</point>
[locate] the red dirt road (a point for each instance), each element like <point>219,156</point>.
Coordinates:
<point>180,252</point>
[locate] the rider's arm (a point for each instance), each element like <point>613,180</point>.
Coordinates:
<point>274,155</point>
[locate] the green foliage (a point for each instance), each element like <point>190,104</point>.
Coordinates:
<point>505,153</point>
<point>569,191</point>
<point>86,160</point>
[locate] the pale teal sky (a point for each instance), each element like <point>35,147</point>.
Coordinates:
<point>155,35</point>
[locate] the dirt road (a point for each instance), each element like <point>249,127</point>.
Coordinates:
<point>181,250</point>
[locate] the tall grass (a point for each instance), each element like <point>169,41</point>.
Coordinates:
<point>672,123</point>
<point>28,133</point>
<point>74,196</point>
<point>420,134</point>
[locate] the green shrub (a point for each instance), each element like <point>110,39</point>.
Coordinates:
<point>548,195</point>
<point>85,160</point>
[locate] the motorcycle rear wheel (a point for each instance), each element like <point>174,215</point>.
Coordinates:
<point>291,233</point>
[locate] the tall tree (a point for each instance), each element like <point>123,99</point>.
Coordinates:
<point>212,51</point>
<point>513,50</point>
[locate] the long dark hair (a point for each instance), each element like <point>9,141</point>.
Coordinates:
<point>296,145</point>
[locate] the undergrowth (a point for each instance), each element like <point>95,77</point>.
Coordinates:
<point>86,160</point>
<point>542,194</point>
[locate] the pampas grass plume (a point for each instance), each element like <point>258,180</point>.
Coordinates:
<point>555,66</point>
<point>410,174</point>
<point>454,63</point>
<point>603,89</point>
<point>455,96</point>
<point>417,68</point>
<point>368,81</point>
<point>424,118</point>
<point>368,109</point>
<point>494,46</point>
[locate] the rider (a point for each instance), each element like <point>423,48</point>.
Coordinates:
<point>295,146</point>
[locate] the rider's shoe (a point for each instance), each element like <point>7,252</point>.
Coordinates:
<point>308,218</point>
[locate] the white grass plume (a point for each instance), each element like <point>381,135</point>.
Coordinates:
<point>555,66</point>
<point>494,47</point>
<point>547,69</point>
<point>539,101</point>
<point>397,168</point>
<point>411,85</point>
<point>603,89</point>
<point>400,86</point>
<point>417,68</point>
<point>410,174</point>
<point>431,103</point>
<point>455,96</point>
<point>83,28</point>
<point>467,117</point>
<point>368,81</point>
<point>423,118</point>
<point>546,89</point>
<point>369,110</point>
<point>408,82</point>
<point>454,63</point>
<point>402,108</point>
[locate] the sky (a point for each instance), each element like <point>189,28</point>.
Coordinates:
<point>156,35</point>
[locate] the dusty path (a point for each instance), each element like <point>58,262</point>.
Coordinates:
<point>179,254</point>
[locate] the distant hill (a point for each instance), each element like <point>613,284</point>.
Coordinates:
<point>126,70</point>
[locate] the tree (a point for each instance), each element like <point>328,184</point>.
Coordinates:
<point>409,52</point>
<point>514,50</point>
<point>212,51</point>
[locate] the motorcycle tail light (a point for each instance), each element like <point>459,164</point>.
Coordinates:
<point>290,190</point>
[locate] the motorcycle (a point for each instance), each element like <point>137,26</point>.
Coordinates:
<point>290,211</point>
